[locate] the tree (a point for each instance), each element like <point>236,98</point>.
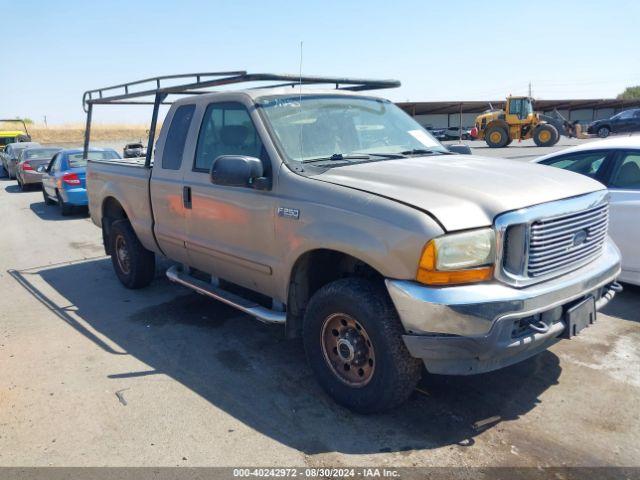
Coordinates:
<point>630,93</point>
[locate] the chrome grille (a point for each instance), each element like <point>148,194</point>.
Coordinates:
<point>559,243</point>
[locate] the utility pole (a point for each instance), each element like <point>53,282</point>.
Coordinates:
<point>45,122</point>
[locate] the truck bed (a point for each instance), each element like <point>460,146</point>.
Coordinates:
<point>125,181</point>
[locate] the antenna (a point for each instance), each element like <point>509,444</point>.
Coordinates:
<point>300,101</point>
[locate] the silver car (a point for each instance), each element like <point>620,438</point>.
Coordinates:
<point>615,163</point>
<point>11,154</point>
<point>27,172</point>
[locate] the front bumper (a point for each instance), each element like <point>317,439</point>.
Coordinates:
<point>477,328</point>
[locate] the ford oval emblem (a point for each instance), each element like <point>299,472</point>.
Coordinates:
<point>580,237</point>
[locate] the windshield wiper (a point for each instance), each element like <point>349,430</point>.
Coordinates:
<point>386,155</point>
<point>337,157</point>
<point>421,151</point>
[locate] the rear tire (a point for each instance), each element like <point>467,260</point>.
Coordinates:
<point>369,369</point>
<point>134,265</point>
<point>65,208</point>
<point>545,135</point>
<point>496,137</point>
<point>604,132</point>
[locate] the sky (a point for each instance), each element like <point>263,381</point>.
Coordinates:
<point>439,50</point>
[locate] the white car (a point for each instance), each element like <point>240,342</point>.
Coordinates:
<point>616,163</point>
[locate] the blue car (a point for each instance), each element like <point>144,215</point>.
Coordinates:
<point>64,178</point>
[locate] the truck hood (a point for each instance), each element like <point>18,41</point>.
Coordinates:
<point>462,191</point>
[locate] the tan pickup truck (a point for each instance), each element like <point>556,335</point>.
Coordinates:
<point>335,214</point>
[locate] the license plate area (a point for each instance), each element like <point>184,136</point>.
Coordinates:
<point>579,317</point>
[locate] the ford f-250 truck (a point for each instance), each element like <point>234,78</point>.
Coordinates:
<point>334,213</point>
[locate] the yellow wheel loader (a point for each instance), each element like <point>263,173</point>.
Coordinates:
<point>518,121</point>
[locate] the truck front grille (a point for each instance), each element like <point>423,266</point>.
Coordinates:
<point>559,243</point>
<point>549,239</point>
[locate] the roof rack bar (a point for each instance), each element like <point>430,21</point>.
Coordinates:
<point>204,80</point>
<point>113,95</point>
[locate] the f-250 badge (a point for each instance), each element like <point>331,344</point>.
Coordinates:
<point>286,212</point>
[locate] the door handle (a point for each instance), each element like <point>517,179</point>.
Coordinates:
<point>186,197</point>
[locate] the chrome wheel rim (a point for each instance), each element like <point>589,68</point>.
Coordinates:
<point>122,255</point>
<point>347,350</point>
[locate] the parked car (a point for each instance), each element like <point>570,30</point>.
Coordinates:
<point>624,122</point>
<point>453,133</point>
<point>64,178</point>
<point>362,234</point>
<point>614,162</point>
<point>11,154</point>
<point>29,160</point>
<point>438,133</point>
<point>133,150</point>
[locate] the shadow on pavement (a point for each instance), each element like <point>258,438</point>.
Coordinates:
<point>253,373</point>
<point>52,212</point>
<point>627,309</point>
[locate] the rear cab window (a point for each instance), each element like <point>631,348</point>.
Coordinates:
<point>177,137</point>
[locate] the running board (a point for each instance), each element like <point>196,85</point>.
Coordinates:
<point>177,275</point>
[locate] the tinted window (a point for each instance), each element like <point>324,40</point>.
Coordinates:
<point>176,137</point>
<point>624,115</point>
<point>588,164</point>
<point>627,173</point>
<point>226,129</point>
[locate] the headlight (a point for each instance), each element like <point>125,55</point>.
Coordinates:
<point>456,258</point>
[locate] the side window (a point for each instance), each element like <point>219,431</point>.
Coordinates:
<point>52,164</point>
<point>627,173</point>
<point>514,107</point>
<point>588,164</point>
<point>227,129</point>
<point>176,137</point>
<point>637,114</point>
<point>58,165</point>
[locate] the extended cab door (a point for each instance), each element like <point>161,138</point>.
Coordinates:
<point>230,229</point>
<point>167,183</point>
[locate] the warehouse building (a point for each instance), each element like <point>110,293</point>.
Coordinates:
<point>448,114</point>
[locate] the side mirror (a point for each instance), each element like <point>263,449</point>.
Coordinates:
<point>237,171</point>
<point>459,148</point>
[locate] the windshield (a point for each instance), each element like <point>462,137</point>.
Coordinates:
<point>39,153</point>
<point>335,127</point>
<point>76,160</point>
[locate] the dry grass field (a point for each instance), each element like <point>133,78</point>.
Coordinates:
<point>74,132</point>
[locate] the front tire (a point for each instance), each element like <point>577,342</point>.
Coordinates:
<point>604,132</point>
<point>134,265</point>
<point>353,342</point>
<point>47,200</point>
<point>545,135</point>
